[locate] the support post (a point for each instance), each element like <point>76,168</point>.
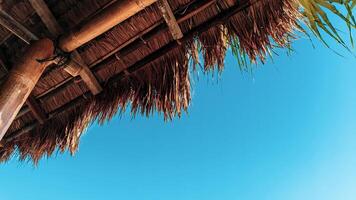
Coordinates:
<point>76,67</point>
<point>21,80</point>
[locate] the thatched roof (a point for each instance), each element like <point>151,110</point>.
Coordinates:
<point>138,63</point>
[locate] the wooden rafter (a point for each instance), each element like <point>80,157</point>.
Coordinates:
<point>24,34</point>
<point>76,66</point>
<point>12,25</point>
<point>46,16</point>
<point>27,36</point>
<point>36,109</point>
<point>3,66</point>
<point>170,19</point>
<point>3,70</point>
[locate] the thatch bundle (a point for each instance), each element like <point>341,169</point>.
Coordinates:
<point>138,63</point>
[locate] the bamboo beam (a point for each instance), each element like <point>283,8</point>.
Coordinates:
<point>21,80</point>
<point>16,28</point>
<point>102,22</point>
<point>8,34</point>
<point>82,70</point>
<point>24,110</point>
<point>46,16</point>
<point>76,67</point>
<point>27,36</point>
<point>4,38</point>
<point>24,34</point>
<point>217,20</point>
<point>170,19</point>
<point>2,63</point>
<point>190,11</point>
<point>3,67</point>
<point>36,109</point>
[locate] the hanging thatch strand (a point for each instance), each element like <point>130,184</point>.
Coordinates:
<point>151,74</point>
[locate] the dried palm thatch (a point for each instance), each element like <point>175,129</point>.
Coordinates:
<point>140,66</point>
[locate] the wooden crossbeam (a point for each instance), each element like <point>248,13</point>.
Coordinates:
<point>12,25</point>
<point>36,109</point>
<point>3,67</point>
<point>84,72</point>
<point>170,19</point>
<point>3,72</point>
<point>76,66</point>
<point>8,22</point>
<point>46,16</point>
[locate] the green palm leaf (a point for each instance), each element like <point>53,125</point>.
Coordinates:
<point>316,14</point>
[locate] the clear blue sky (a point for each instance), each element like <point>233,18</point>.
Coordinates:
<point>286,132</point>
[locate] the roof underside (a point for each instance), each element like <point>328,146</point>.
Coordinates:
<point>138,63</point>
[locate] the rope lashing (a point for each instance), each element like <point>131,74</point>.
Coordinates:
<point>60,58</point>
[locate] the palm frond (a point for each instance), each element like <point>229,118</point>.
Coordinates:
<point>317,15</point>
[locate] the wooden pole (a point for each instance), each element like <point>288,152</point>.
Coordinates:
<point>76,67</point>
<point>15,27</point>
<point>46,16</point>
<point>8,22</point>
<point>36,109</point>
<point>21,80</point>
<point>104,21</point>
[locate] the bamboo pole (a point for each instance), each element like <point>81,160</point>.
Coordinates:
<point>21,80</point>
<point>46,16</point>
<point>104,21</point>
<point>76,66</point>
<point>11,24</point>
<point>16,28</point>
